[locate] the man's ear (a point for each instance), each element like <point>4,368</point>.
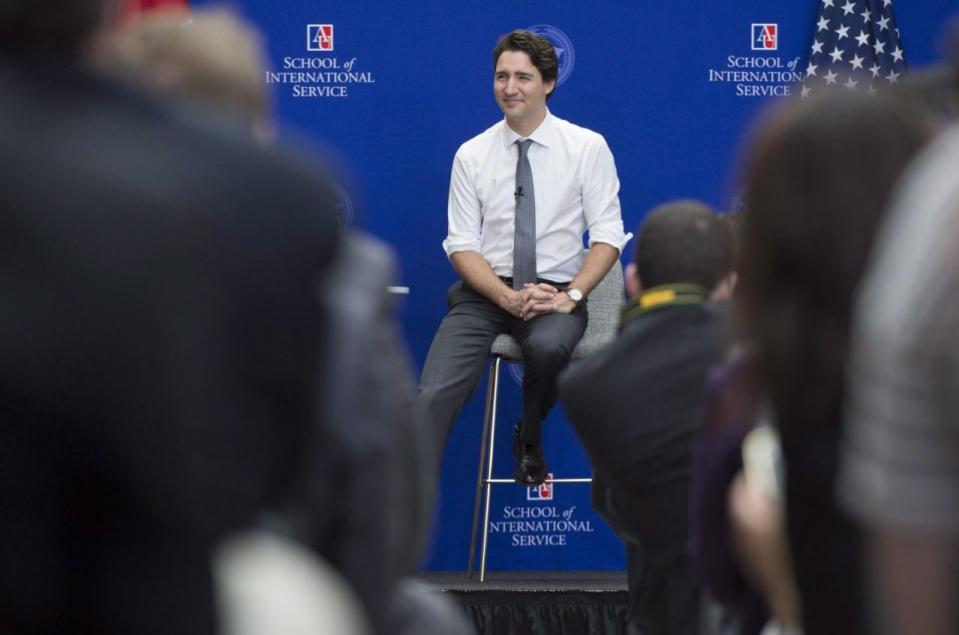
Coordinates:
<point>633,285</point>
<point>725,288</point>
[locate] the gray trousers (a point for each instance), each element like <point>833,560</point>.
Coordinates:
<point>458,354</point>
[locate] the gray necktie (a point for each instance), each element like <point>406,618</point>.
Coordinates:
<point>524,232</point>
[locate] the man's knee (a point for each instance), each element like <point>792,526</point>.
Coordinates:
<point>545,353</point>
<point>443,392</point>
<point>429,395</point>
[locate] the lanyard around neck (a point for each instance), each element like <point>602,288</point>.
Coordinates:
<point>663,296</point>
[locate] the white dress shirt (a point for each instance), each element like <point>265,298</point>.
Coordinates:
<point>575,188</point>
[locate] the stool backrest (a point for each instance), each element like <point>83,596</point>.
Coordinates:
<point>605,304</point>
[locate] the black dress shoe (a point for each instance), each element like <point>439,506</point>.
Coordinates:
<point>530,464</point>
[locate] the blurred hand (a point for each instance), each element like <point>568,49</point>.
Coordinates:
<point>759,536</point>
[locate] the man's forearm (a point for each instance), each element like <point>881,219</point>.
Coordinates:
<point>477,273</point>
<point>597,264</point>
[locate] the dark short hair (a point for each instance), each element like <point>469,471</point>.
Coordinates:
<point>683,242</point>
<point>47,25</point>
<point>541,53</point>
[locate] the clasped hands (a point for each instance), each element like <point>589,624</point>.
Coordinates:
<point>534,300</point>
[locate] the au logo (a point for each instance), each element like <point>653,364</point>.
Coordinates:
<point>516,372</point>
<point>737,204</point>
<point>344,205</point>
<point>563,46</point>
<point>542,492</point>
<point>765,37</point>
<point>319,37</point>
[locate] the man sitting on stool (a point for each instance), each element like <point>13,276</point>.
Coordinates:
<point>518,246</point>
<point>636,406</point>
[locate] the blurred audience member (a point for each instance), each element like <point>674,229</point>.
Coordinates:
<point>213,56</point>
<point>637,406</point>
<point>900,474</point>
<point>818,179</point>
<point>365,499</point>
<point>160,335</point>
<point>717,536</point>
<point>268,585</point>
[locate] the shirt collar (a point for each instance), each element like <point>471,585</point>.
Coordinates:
<point>543,135</point>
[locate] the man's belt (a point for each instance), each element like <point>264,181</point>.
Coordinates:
<point>559,285</point>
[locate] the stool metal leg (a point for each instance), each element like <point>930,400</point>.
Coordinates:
<point>484,478</point>
<point>488,481</point>
<point>487,418</point>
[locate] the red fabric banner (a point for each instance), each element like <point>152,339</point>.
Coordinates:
<point>128,9</point>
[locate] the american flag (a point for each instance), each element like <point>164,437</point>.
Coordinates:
<point>856,45</point>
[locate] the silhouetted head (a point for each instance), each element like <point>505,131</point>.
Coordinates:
<point>48,26</point>
<point>682,242</point>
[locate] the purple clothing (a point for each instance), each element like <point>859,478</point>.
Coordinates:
<point>730,413</point>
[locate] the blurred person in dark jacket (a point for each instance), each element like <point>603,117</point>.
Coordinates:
<point>161,337</point>
<point>637,406</point>
<point>365,498</point>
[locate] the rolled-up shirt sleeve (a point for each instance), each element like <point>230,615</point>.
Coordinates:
<point>601,208</point>
<point>464,214</point>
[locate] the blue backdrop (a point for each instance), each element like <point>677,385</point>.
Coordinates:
<point>396,87</point>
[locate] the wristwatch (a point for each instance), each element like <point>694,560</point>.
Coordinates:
<point>574,294</point>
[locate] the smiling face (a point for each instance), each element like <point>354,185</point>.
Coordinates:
<point>520,91</point>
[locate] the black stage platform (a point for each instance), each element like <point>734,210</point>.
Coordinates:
<point>540,602</point>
